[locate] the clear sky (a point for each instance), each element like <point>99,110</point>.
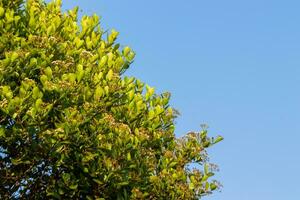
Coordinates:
<point>232,64</point>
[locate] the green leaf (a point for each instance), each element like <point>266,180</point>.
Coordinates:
<point>78,42</point>
<point>66,177</point>
<point>36,94</point>
<point>123,183</point>
<point>22,92</point>
<point>106,89</point>
<point>109,74</point>
<point>103,61</point>
<point>6,62</point>
<point>89,198</point>
<point>218,139</point>
<point>113,36</point>
<point>43,79</point>
<point>191,186</point>
<point>48,72</point>
<point>98,181</point>
<point>126,51</point>
<point>38,103</point>
<point>151,114</point>
<point>98,93</point>
<point>204,178</point>
<point>1,11</point>
<point>61,191</point>
<point>33,62</point>
<point>150,91</point>
<point>73,186</point>
<point>16,161</point>
<point>207,186</point>
<point>7,92</point>
<point>213,186</point>
<point>98,77</point>
<point>32,22</point>
<point>206,170</point>
<point>2,132</point>
<point>131,56</point>
<point>210,174</point>
<point>72,77</point>
<point>80,72</point>
<point>128,156</point>
<point>173,164</point>
<point>14,56</point>
<point>85,170</point>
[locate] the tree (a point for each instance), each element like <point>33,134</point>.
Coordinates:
<point>73,126</point>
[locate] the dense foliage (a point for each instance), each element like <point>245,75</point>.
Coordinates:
<point>73,126</point>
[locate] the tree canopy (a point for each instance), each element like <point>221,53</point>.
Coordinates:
<point>73,126</point>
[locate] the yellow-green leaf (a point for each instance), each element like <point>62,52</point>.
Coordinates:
<point>48,72</point>
<point>109,74</point>
<point>98,93</point>
<point>1,11</point>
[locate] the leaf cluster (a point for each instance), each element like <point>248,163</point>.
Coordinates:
<point>73,126</point>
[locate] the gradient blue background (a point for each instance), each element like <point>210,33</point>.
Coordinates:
<point>232,64</point>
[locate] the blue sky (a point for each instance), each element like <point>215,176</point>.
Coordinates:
<point>232,64</point>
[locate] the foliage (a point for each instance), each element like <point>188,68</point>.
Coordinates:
<point>73,126</point>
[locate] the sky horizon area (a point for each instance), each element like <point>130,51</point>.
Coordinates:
<point>233,65</point>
